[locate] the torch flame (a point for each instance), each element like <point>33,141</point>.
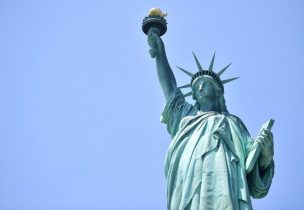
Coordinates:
<point>157,12</point>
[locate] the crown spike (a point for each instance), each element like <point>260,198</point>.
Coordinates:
<point>188,94</point>
<point>223,70</point>
<point>185,71</point>
<point>197,63</point>
<point>229,80</point>
<point>212,62</point>
<point>185,86</point>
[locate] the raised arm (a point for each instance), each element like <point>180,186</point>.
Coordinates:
<point>164,72</point>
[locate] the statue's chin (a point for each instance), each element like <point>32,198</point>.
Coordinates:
<point>207,98</point>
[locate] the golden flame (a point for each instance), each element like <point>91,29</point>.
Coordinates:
<point>157,12</point>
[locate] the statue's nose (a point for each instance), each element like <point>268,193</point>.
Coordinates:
<point>201,86</point>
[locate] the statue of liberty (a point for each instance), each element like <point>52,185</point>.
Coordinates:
<point>212,161</point>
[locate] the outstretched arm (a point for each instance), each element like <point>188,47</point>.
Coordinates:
<point>164,72</point>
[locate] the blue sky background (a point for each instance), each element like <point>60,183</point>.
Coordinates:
<point>81,103</point>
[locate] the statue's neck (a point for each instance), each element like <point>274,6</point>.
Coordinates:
<point>210,106</point>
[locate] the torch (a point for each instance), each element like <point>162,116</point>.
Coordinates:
<point>155,20</point>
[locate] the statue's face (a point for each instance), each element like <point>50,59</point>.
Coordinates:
<point>204,90</point>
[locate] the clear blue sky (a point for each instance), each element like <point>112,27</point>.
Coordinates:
<point>80,100</point>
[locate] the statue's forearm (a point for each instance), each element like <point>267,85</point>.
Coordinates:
<point>165,74</point>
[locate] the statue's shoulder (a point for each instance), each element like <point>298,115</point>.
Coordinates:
<point>237,121</point>
<point>233,117</point>
<point>186,120</point>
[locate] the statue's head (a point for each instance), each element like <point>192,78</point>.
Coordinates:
<point>206,90</point>
<point>207,86</point>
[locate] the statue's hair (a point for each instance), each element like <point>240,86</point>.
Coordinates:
<point>222,103</point>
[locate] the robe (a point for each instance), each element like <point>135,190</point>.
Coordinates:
<point>205,162</point>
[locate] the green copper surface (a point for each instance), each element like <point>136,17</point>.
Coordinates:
<point>212,161</point>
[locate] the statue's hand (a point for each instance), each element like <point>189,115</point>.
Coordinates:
<point>265,140</point>
<point>155,43</point>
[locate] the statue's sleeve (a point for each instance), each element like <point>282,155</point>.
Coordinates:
<point>259,181</point>
<point>175,110</point>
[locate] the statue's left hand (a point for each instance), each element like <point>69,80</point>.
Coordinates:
<point>265,140</point>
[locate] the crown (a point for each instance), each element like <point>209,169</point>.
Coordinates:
<point>206,72</point>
